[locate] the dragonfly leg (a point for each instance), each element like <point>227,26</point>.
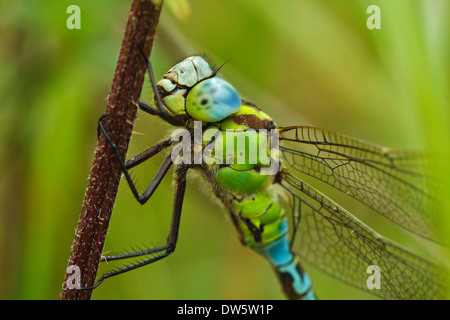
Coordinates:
<point>137,160</point>
<point>169,247</point>
<point>147,154</point>
<point>161,112</point>
<point>134,254</point>
<point>145,107</point>
<point>100,124</point>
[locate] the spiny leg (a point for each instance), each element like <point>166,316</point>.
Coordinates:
<point>134,254</point>
<point>139,159</point>
<point>145,155</point>
<point>169,247</point>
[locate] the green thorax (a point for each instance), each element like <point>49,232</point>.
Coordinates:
<point>242,152</point>
<point>250,196</point>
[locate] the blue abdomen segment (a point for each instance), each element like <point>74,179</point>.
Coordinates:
<point>264,227</point>
<point>296,283</point>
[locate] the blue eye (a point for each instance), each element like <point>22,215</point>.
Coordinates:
<point>212,100</point>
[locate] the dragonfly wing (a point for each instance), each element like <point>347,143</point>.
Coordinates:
<point>336,242</point>
<point>391,182</point>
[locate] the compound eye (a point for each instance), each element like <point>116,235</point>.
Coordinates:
<point>212,100</point>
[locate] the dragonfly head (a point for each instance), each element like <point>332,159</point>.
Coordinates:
<point>189,72</point>
<point>191,88</point>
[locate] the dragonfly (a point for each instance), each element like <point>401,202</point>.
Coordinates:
<point>276,213</point>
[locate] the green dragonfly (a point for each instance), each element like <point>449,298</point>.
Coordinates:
<point>276,213</point>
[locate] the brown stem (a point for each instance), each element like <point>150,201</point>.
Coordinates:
<point>105,173</point>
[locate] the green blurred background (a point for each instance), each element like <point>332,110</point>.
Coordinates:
<point>310,62</point>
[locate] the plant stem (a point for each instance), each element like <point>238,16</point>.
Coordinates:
<point>106,171</point>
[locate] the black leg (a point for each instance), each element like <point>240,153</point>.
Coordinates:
<point>145,107</point>
<point>147,154</point>
<point>134,254</point>
<point>162,112</point>
<point>168,248</point>
<point>99,131</point>
<point>139,159</point>
<point>180,188</point>
<point>153,185</point>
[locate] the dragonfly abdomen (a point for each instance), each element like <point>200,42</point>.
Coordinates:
<point>263,223</point>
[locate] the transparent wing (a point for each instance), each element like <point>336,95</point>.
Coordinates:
<point>391,182</point>
<point>330,238</point>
